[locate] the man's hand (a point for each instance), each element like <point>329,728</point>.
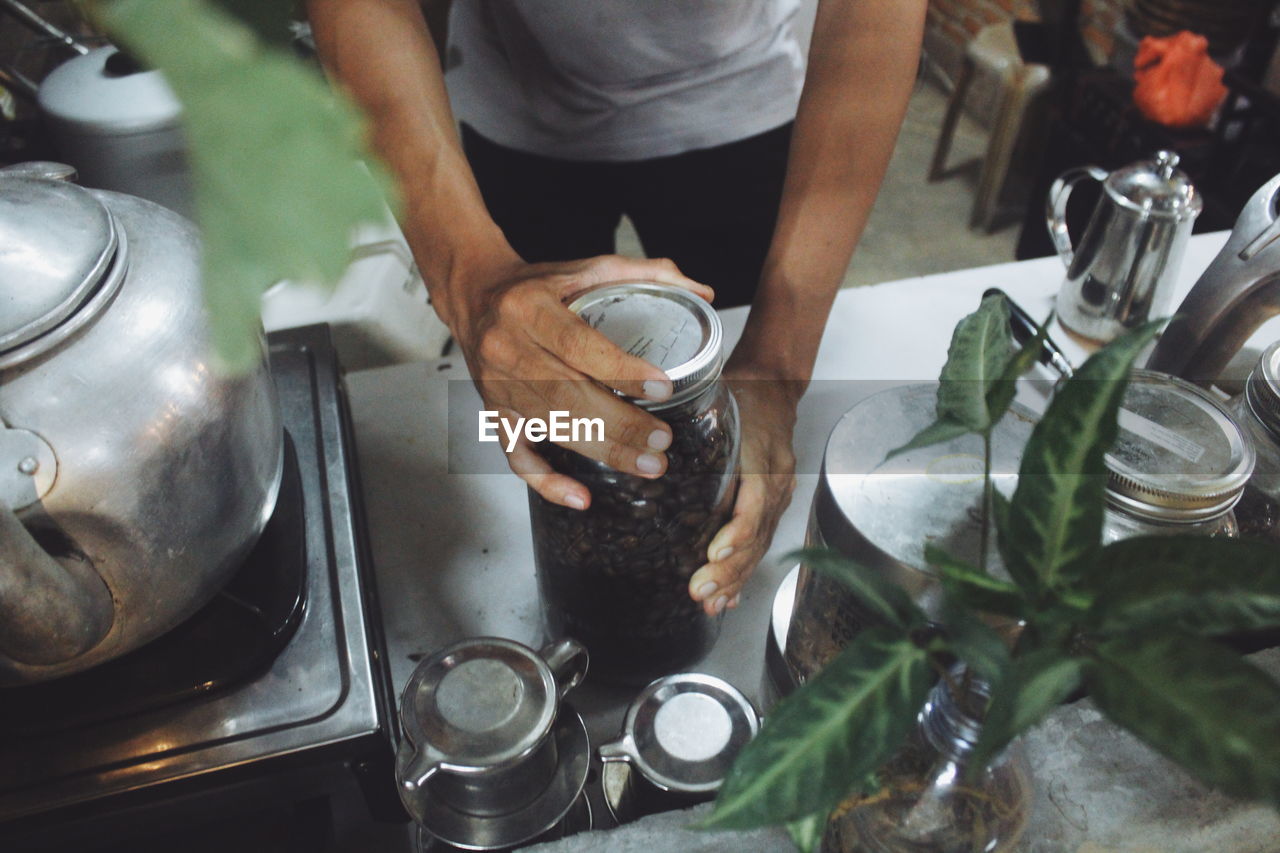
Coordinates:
<point>767,408</point>
<point>529,355</point>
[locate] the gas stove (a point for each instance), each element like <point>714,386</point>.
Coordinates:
<point>277,690</point>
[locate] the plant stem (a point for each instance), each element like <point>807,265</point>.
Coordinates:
<point>987,487</point>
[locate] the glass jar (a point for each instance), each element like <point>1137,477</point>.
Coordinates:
<point>1179,465</point>
<point>615,576</point>
<point>1258,411</point>
<point>926,803</point>
<point>882,512</point>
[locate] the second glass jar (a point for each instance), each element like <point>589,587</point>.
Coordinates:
<point>615,576</point>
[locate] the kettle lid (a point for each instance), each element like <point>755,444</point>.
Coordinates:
<point>56,243</point>
<point>1156,186</point>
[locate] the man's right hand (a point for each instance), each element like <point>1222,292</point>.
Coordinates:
<point>529,355</point>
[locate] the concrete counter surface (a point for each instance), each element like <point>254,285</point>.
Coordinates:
<point>452,550</point>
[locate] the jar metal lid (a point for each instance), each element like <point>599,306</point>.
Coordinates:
<point>667,326</point>
<point>1262,391</point>
<point>482,704</point>
<point>683,732</point>
<point>1180,455</point>
<point>58,244</point>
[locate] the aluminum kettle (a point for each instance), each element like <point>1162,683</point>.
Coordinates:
<point>134,476</point>
<point>1123,271</point>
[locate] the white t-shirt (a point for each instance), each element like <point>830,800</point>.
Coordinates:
<point>622,79</point>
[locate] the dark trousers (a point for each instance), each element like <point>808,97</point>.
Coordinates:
<point>712,211</point>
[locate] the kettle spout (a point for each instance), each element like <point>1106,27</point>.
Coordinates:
<point>1237,293</point>
<point>50,610</point>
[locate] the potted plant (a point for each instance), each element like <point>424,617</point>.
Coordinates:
<point>1133,622</point>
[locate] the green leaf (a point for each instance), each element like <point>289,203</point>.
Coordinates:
<point>1000,395</point>
<point>1196,702</point>
<point>828,735</point>
<point>1055,517</point>
<point>1014,561</point>
<point>938,432</point>
<point>1204,585</point>
<point>883,599</point>
<point>974,642</point>
<point>1032,686</point>
<point>274,156</point>
<point>807,832</point>
<point>975,587</point>
<point>979,352</point>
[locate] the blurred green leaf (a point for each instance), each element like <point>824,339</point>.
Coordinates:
<point>974,587</point>
<point>883,599</point>
<point>274,155</point>
<point>1032,686</point>
<point>980,349</point>
<point>1001,393</point>
<point>1198,703</point>
<point>974,642</point>
<point>807,832</point>
<point>1208,586</point>
<point>938,432</point>
<point>1055,517</point>
<point>824,738</point>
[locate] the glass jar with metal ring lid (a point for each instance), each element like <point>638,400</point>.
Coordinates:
<point>1258,410</point>
<point>615,576</point>
<point>1179,465</point>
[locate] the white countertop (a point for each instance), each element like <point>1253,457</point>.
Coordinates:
<point>453,554</point>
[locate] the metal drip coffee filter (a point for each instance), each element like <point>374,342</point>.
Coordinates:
<point>492,757</point>
<point>679,740</point>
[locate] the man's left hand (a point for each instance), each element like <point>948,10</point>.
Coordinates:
<point>767,409</point>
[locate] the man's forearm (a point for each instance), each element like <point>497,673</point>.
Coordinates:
<point>381,52</point>
<point>862,68</point>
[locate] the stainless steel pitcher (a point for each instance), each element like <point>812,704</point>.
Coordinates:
<point>1123,270</point>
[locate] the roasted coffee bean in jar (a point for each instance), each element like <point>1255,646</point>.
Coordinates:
<point>1179,465</point>
<point>1258,410</point>
<point>615,576</point>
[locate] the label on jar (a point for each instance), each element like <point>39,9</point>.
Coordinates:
<point>1163,437</point>
<point>662,332</point>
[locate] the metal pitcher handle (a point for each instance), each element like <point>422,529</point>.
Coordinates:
<point>1055,207</point>
<point>568,660</point>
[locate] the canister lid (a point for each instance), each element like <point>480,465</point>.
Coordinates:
<point>684,731</point>
<point>667,326</point>
<point>480,704</point>
<point>56,243</point>
<point>1180,455</point>
<point>882,511</point>
<point>1262,391</point>
<point>96,93</point>
<point>1156,186</point>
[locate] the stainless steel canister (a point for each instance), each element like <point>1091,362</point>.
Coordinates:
<point>881,512</point>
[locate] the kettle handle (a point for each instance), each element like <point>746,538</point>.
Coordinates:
<point>1055,207</point>
<point>568,660</point>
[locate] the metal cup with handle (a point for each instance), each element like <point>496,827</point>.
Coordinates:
<point>1122,271</point>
